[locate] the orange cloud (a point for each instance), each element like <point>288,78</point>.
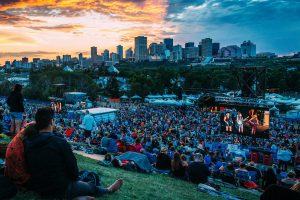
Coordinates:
<point>61,28</point>
<point>14,38</point>
<point>124,10</point>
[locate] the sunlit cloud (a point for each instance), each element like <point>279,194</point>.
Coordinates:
<point>14,38</point>
<point>62,27</point>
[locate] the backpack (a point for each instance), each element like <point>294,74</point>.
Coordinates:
<point>89,177</point>
<point>15,163</point>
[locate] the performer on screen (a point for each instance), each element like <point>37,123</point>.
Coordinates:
<point>254,123</point>
<point>228,121</point>
<point>240,120</point>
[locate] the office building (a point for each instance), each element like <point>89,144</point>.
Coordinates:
<point>66,58</point>
<point>189,44</point>
<point>191,53</point>
<point>80,59</point>
<point>168,42</point>
<point>215,49</point>
<point>206,45</point>
<point>93,54</point>
<point>232,51</point>
<point>248,49</point>
<point>176,54</point>
<point>120,52</point>
<point>106,55</point>
<point>140,49</point>
<point>24,60</point>
<point>129,54</point>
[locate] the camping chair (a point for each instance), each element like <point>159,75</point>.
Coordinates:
<point>243,176</point>
<point>253,176</point>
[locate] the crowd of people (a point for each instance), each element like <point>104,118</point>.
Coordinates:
<point>174,140</point>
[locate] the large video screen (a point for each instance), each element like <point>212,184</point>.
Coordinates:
<point>245,121</point>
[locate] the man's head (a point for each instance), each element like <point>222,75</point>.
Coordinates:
<point>44,118</point>
<point>198,157</point>
<point>87,112</point>
<point>18,88</point>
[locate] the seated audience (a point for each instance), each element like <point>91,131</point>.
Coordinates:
<point>284,157</point>
<point>163,161</point>
<point>52,164</point>
<point>241,168</point>
<point>290,180</point>
<point>269,178</point>
<point>197,170</point>
<point>178,166</point>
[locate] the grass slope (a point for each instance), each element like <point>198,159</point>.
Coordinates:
<point>143,186</point>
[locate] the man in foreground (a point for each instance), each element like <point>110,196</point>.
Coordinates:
<point>52,164</point>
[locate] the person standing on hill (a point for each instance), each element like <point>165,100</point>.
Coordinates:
<point>15,102</point>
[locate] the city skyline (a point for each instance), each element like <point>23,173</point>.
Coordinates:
<point>35,28</point>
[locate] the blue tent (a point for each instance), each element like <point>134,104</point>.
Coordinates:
<point>139,159</point>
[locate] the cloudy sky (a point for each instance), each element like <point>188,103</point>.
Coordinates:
<point>45,28</point>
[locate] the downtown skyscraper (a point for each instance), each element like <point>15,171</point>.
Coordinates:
<point>140,49</point>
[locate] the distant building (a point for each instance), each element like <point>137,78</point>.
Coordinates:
<point>36,60</point>
<point>120,52</point>
<point>215,49</point>
<point>24,60</point>
<point>67,58</point>
<point>129,54</point>
<point>80,59</point>
<point>168,44</point>
<point>153,49</point>
<point>248,49</point>
<point>140,49</point>
<point>189,44</point>
<point>7,65</point>
<point>156,49</point>
<point>191,53</point>
<point>200,48</point>
<point>266,55</point>
<point>94,54</point>
<point>58,59</point>
<point>232,51</point>
<point>176,54</point>
<point>114,58</point>
<point>106,55</point>
<point>206,47</point>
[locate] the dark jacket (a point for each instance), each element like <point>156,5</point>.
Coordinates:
<point>163,162</point>
<point>51,163</point>
<point>198,172</point>
<point>15,102</point>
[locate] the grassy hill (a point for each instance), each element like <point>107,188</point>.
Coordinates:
<point>144,186</point>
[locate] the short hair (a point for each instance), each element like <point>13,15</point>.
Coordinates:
<point>291,174</point>
<point>18,88</point>
<point>87,111</point>
<point>43,117</point>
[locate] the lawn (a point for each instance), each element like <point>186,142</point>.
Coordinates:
<point>144,186</point>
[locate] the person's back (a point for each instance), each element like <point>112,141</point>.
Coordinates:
<point>51,163</point>
<point>163,162</point>
<point>15,102</point>
<point>105,142</point>
<point>112,146</point>
<point>89,122</point>
<point>198,171</point>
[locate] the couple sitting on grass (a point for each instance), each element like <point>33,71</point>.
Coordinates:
<point>39,160</point>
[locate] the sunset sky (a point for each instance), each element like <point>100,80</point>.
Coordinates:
<point>46,28</point>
